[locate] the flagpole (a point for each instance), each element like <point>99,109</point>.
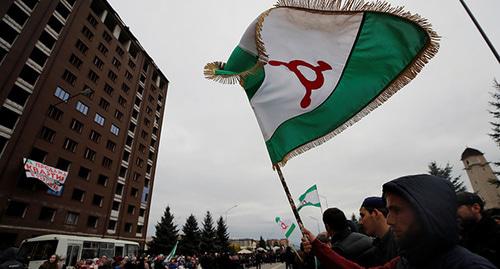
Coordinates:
<point>485,37</point>
<point>290,199</point>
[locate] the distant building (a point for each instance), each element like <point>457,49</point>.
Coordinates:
<point>480,174</point>
<point>79,93</point>
<point>245,243</point>
<point>277,242</point>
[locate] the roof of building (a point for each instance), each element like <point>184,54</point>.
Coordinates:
<point>469,152</point>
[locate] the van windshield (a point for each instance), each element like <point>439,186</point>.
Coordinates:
<point>37,250</point>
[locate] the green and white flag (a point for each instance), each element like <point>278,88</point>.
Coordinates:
<point>312,68</point>
<point>172,253</point>
<point>309,198</point>
<point>286,227</point>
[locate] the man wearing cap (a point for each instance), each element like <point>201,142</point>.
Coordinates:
<point>422,215</point>
<point>373,219</point>
<point>479,232</point>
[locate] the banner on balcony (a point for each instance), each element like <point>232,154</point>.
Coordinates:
<point>52,177</point>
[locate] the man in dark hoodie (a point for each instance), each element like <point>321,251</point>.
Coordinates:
<point>422,214</point>
<point>9,260</point>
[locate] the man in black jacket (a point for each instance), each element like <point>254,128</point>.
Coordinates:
<point>373,219</point>
<point>480,233</point>
<point>347,243</point>
<point>9,261</point>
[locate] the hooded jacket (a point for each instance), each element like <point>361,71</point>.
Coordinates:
<point>9,260</point>
<point>434,203</point>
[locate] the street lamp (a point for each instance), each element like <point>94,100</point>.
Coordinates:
<point>317,222</point>
<point>225,212</point>
<point>85,92</point>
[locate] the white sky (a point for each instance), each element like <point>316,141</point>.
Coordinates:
<point>212,154</point>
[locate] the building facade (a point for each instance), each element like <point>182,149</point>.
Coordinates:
<point>480,175</point>
<point>79,93</point>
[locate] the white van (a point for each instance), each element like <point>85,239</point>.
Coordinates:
<point>38,249</point>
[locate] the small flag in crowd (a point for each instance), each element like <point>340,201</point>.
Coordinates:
<point>309,198</point>
<point>172,253</point>
<point>286,227</point>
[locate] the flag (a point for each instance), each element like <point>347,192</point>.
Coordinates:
<point>309,198</point>
<point>312,68</point>
<point>172,253</point>
<point>286,227</point>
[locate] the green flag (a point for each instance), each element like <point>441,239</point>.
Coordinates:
<point>172,253</point>
<point>309,198</point>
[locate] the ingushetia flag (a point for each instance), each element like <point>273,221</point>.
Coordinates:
<point>309,198</point>
<point>312,68</point>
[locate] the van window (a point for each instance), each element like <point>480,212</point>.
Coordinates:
<point>90,250</point>
<point>40,250</point>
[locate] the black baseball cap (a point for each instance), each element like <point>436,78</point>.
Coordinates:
<point>469,198</point>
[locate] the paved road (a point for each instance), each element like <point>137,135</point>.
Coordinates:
<point>270,266</point>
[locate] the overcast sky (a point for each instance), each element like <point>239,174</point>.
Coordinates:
<point>212,155</point>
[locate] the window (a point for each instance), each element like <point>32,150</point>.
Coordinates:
<point>148,169</point>
<point>125,88</point>
<point>63,10</point>
<point>29,75</point>
<point>47,40</point>
<point>112,75</point>
<point>144,134</point>
<point>47,134</point>
<point>98,62</point>
<point>126,156</point>
<point>99,119</point>
<point>138,101</point>
<point>38,56</point>
<point>94,136</point>
<point>89,154</point>
<point>104,104</point>
<point>97,200</point>
<point>102,180</point>
<point>93,76</point>
<point>87,33</point>
<point>146,183</point>
<point>17,14</point>
<point>76,126</point>
<point>130,209</point>
<point>115,130</point>
<point>78,195</point>
<point>112,225</point>
<point>16,209</point>
<point>131,127</point>
<point>116,63</point>
<point>38,155</point>
<point>150,98</point>
<point>142,78</point>
<point>110,145</point>
<point>139,162</point>
<point>108,89</point>
<point>119,51</point>
<point>75,61</point>
<point>147,122</point>
<point>54,113</point>
<point>47,214</point>
<point>84,109</point>
<point>30,3</point>
<point>128,76</point>
<point>84,173</point>
<point>106,36</point>
<point>137,176</point>
<point>122,101</point>
<point>70,145</point>
<point>139,229</point>
<point>123,172</point>
<point>115,206</point>
<point>129,141</point>
<point>106,162</point>
<point>155,130</point>
<point>81,46</point>
<point>149,110</point>
<point>142,212</point>
<point>140,90</point>
<point>63,164</point>
<point>118,115</point>
<point>8,118</point>
<point>102,49</point>
<point>131,64</point>
<point>135,114</point>
<point>128,227</point>
<point>7,33</point>
<point>72,218</point>
<point>134,192</point>
<point>142,148</point>
<point>69,77</point>
<point>92,20</point>
<point>151,155</point>
<point>119,189</point>
<point>92,222</point>
<point>18,95</point>
<point>55,24</point>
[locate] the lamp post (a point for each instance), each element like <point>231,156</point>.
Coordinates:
<point>227,211</point>
<point>317,222</point>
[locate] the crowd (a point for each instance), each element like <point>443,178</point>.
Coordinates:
<point>419,222</point>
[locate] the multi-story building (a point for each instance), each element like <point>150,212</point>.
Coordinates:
<point>79,93</point>
<point>481,177</point>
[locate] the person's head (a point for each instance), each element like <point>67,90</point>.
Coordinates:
<point>53,258</point>
<point>470,207</point>
<point>334,220</point>
<point>373,213</point>
<point>422,214</point>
